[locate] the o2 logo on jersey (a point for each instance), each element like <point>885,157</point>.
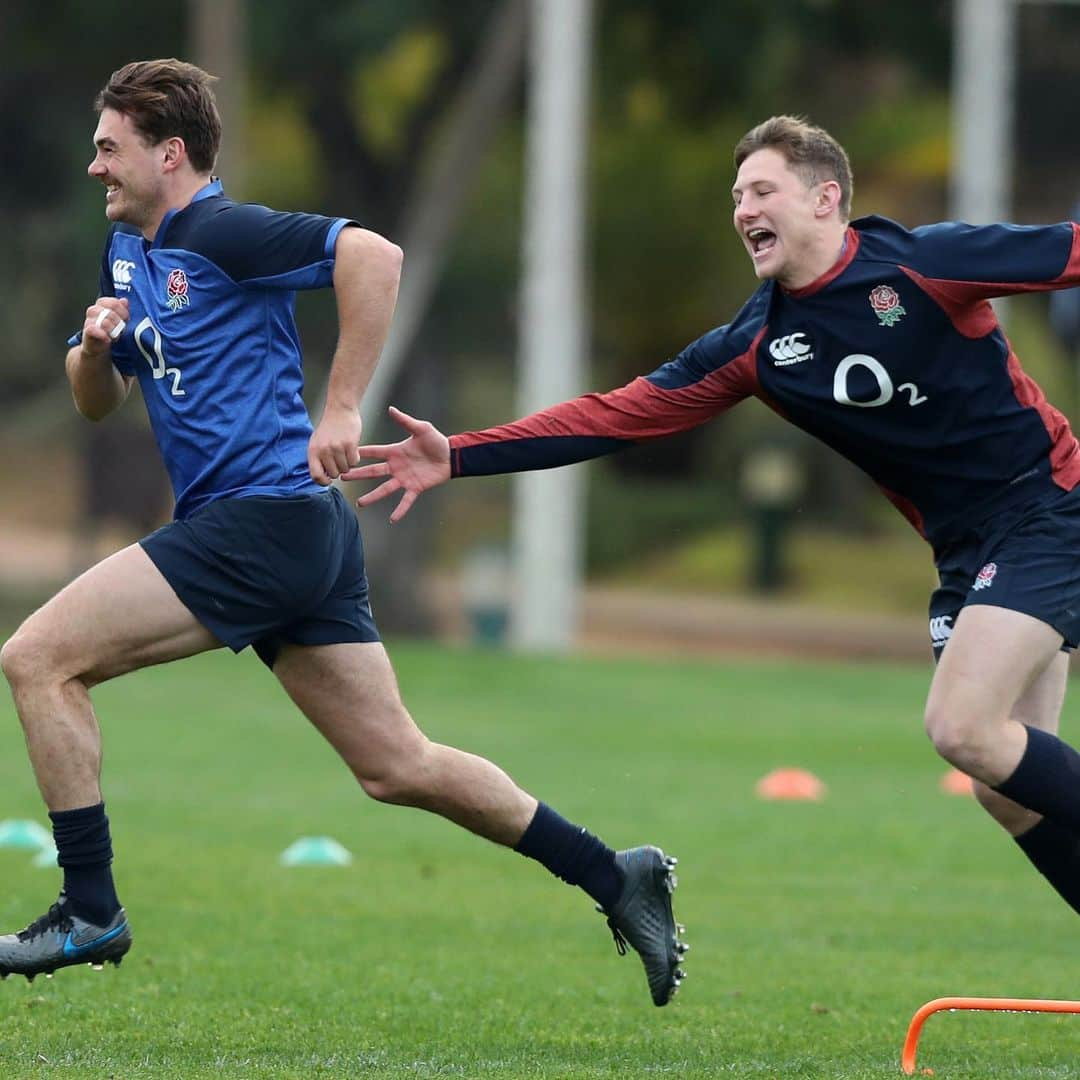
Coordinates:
<point>146,332</point>
<point>875,368</point>
<point>176,290</point>
<point>121,274</point>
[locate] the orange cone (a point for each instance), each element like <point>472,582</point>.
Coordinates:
<point>790,785</point>
<point>954,782</point>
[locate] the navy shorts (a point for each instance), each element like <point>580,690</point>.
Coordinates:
<point>1026,559</point>
<point>265,570</point>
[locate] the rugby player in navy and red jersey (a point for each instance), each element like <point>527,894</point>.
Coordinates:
<point>196,302</point>
<point>881,341</point>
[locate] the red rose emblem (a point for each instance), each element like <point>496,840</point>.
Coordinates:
<point>884,298</point>
<point>177,283</point>
<point>176,290</point>
<point>885,301</point>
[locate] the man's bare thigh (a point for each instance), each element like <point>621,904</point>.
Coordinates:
<point>118,616</point>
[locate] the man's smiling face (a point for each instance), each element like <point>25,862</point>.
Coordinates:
<point>777,216</point>
<point>131,170</point>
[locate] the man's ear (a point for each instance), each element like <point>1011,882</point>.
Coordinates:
<point>828,198</point>
<point>174,153</point>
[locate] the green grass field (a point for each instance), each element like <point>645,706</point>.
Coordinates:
<point>816,929</point>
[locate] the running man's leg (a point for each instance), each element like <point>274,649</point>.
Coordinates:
<point>1052,848</point>
<point>1040,707</point>
<point>349,692</point>
<point>118,616</point>
<point>994,657</point>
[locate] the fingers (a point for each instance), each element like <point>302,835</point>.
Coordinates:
<point>376,451</point>
<point>367,472</point>
<point>387,487</point>
<point>409,423</point>
<point>403,507</point>
<point>318,473</point>
<point>339,459</point>
<point>106,319</point>
<point>110,322</point>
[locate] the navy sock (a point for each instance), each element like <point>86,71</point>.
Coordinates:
<point>84,850</point>
<point>573,854</point>
<point>1055,852</point>
<point>1047,780</point>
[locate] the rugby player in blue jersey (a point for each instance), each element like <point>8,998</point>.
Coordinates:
<point>196,302</point>
<point>880,341</point>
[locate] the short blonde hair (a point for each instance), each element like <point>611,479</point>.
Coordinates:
<point>809,150</point>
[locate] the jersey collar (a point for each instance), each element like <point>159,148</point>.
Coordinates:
<point>847,254</point>
<point>208,191</point>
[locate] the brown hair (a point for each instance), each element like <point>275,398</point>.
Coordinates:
<point>167,98</point>
<point>811,151</point>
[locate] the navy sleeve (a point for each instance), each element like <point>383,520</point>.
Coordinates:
<point>996,260</point>
<point>270,248</point>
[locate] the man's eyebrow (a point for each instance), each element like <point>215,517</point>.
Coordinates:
<point>104,141</point>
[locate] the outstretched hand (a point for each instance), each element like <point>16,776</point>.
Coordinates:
<point>413,465</point>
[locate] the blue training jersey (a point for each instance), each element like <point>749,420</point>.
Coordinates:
<point>213,342</point>
<point>894,358</point>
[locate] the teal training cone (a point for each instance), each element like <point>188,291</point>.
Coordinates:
<point>47,857</point>
<point>24,834</point>
<point>315,851</point>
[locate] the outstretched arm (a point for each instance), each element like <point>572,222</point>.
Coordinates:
<point>413,465</point>
<point>367,269</point>
<point>702,381</point>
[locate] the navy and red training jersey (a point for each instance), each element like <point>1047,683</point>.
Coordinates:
<point>894,358</point>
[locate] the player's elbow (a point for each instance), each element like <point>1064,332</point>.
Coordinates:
<point>95,407</point>
<point>87,412</point>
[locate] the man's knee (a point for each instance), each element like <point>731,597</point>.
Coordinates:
<point>34,658</point>
<point>399,785</point>
<point>400,774</point>
<point>23,659</point>
<point>957,737</point>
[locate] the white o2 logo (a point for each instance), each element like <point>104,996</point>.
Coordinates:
<point>155,357</point>
<point>881,376</point>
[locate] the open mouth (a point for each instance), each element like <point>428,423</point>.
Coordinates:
<point>761,241</point>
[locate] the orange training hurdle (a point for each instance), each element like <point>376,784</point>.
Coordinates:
<point>977,1004</point>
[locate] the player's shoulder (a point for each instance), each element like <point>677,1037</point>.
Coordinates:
<point>735,338</point>
<point>249,241</point>
<point>208,221</point>
<point>882,238</point>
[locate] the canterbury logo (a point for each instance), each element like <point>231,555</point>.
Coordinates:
<point>121,271</point>
<point>940,629</point>
<point>790,349</point>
